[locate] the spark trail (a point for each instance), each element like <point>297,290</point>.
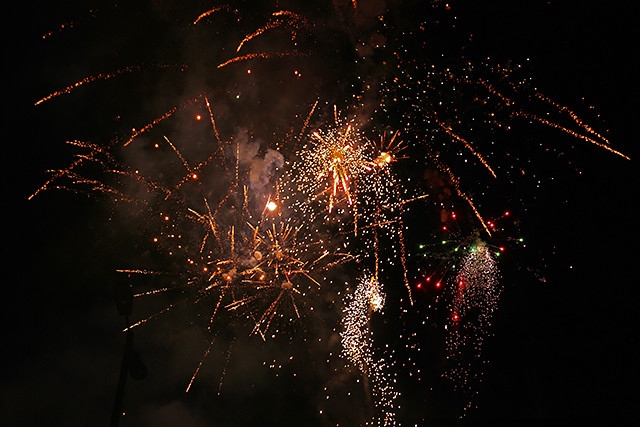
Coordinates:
<point>358,349</point>
<point>476,292</point>
<point>247,242</point>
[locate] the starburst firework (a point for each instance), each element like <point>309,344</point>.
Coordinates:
<point>255,230</point>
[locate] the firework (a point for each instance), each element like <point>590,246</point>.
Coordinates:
<point>342,180</point>
<point>476,292</point>
<point>388,151</point>
<point>358,348</point>
<point>250,225</point>
<point>199,29</point>
<point>284,269</point>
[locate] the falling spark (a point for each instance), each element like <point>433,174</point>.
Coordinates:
<point>94,78</point>
<point>210,12</point>
<point>260,258</point>
<point>249,56</point>
<point>136,133</point>
<point>282,18</point>
<point>467,146</point>
<point>476,292</point>
<point>358,347</point>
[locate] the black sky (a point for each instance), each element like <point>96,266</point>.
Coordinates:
<point>563,350</point>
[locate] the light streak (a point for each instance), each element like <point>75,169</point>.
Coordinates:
<point>250,56</point>
<point>339,199</point>
<point>210,12</point>
<point>87,80</point>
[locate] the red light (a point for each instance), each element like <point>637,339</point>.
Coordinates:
<point>506,213</point>
<point>455,317</point>
<point>438,285</point>
<point>419,286</point>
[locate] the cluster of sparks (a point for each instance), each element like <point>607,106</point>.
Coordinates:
<point>358,349</point>
<point>260,255</point>
<point>344,173</point>
<point>476,292</point>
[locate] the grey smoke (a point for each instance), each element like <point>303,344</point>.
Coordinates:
<point>263,170</point>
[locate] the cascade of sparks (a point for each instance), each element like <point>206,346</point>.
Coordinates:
<point>257,229</point>
<point>476,292</point>
<point>358,349</point>
<point>343,173</point>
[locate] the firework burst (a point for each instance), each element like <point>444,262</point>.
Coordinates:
<point>358,349</point>
<point>253,225</point>
<point>476,292</point>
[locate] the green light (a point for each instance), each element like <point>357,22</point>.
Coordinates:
<point>521,239</point>
<point>421,246</point>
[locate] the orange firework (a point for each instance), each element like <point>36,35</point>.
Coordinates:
<point>340,158</point>
<point>387,152</point>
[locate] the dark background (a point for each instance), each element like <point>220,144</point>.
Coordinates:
<point>564,348</point>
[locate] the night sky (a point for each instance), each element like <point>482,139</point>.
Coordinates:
<point>563,341</point>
